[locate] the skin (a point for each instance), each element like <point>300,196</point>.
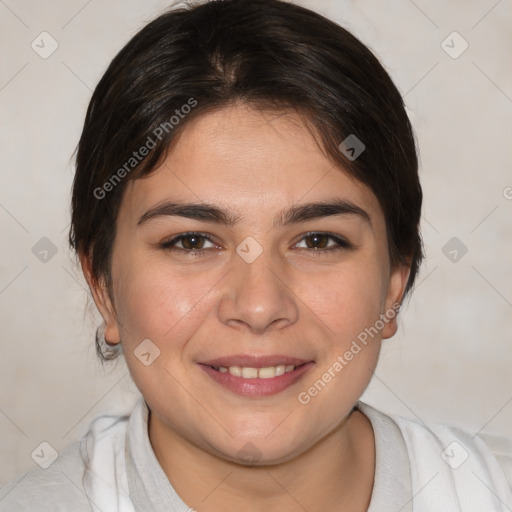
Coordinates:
<point>293,299</point>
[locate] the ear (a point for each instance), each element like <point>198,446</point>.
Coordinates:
<point>396,289</point>
<point>102,300</point>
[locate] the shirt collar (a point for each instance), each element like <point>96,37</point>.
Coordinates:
<point>150,489</point>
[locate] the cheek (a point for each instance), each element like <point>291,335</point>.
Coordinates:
<point>168,309</point>
<point>160,303</point>
<point>349,304</point>
<point>347,300</point>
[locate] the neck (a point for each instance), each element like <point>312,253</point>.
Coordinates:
<point>335,474</point>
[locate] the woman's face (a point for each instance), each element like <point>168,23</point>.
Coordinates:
<point>266,280</point>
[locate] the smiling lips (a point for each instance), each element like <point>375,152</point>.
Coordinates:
<point>256,376</point>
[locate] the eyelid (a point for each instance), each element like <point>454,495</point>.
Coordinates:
<point>341,242</point>
<point>170,242</point>
<point>335,236</point>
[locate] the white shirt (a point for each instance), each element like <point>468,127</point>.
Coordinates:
<point>132,479</point>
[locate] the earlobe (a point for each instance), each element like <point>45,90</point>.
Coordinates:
<point>397,283</point>
<point>102,299</point>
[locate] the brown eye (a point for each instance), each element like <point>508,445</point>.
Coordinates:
<point>323,242</point>
<point>317,241</point>
<point>193,243</point>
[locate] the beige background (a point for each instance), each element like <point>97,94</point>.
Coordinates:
<point>452,359</point>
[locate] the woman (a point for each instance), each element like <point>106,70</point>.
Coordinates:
<point>246,213</point>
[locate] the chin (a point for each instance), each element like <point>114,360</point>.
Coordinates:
<point>253,453</point>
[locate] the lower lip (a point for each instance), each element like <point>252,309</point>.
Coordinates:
<point>257,387</point>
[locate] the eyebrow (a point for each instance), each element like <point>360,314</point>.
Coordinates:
<point>293,215</point>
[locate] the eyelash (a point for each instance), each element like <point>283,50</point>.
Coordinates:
<point>170,245</point>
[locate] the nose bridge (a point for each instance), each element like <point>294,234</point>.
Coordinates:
<point>257,294</point>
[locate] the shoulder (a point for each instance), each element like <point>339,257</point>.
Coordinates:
<point>59,487</point>
<point>456,445</point>
<point>452,444</point>
<point>56,488</point>
<point>501,448</point>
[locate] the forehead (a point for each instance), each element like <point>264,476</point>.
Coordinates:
<point>245,159</point>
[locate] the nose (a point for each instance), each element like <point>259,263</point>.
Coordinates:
<point>258,296</point>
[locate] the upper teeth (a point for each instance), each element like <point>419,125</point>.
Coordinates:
<point>255,373</point>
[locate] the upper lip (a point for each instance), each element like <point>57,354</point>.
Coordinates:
<point>254,361</point>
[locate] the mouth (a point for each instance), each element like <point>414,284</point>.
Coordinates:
<point>256,376</point>
<point>248,372</point>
